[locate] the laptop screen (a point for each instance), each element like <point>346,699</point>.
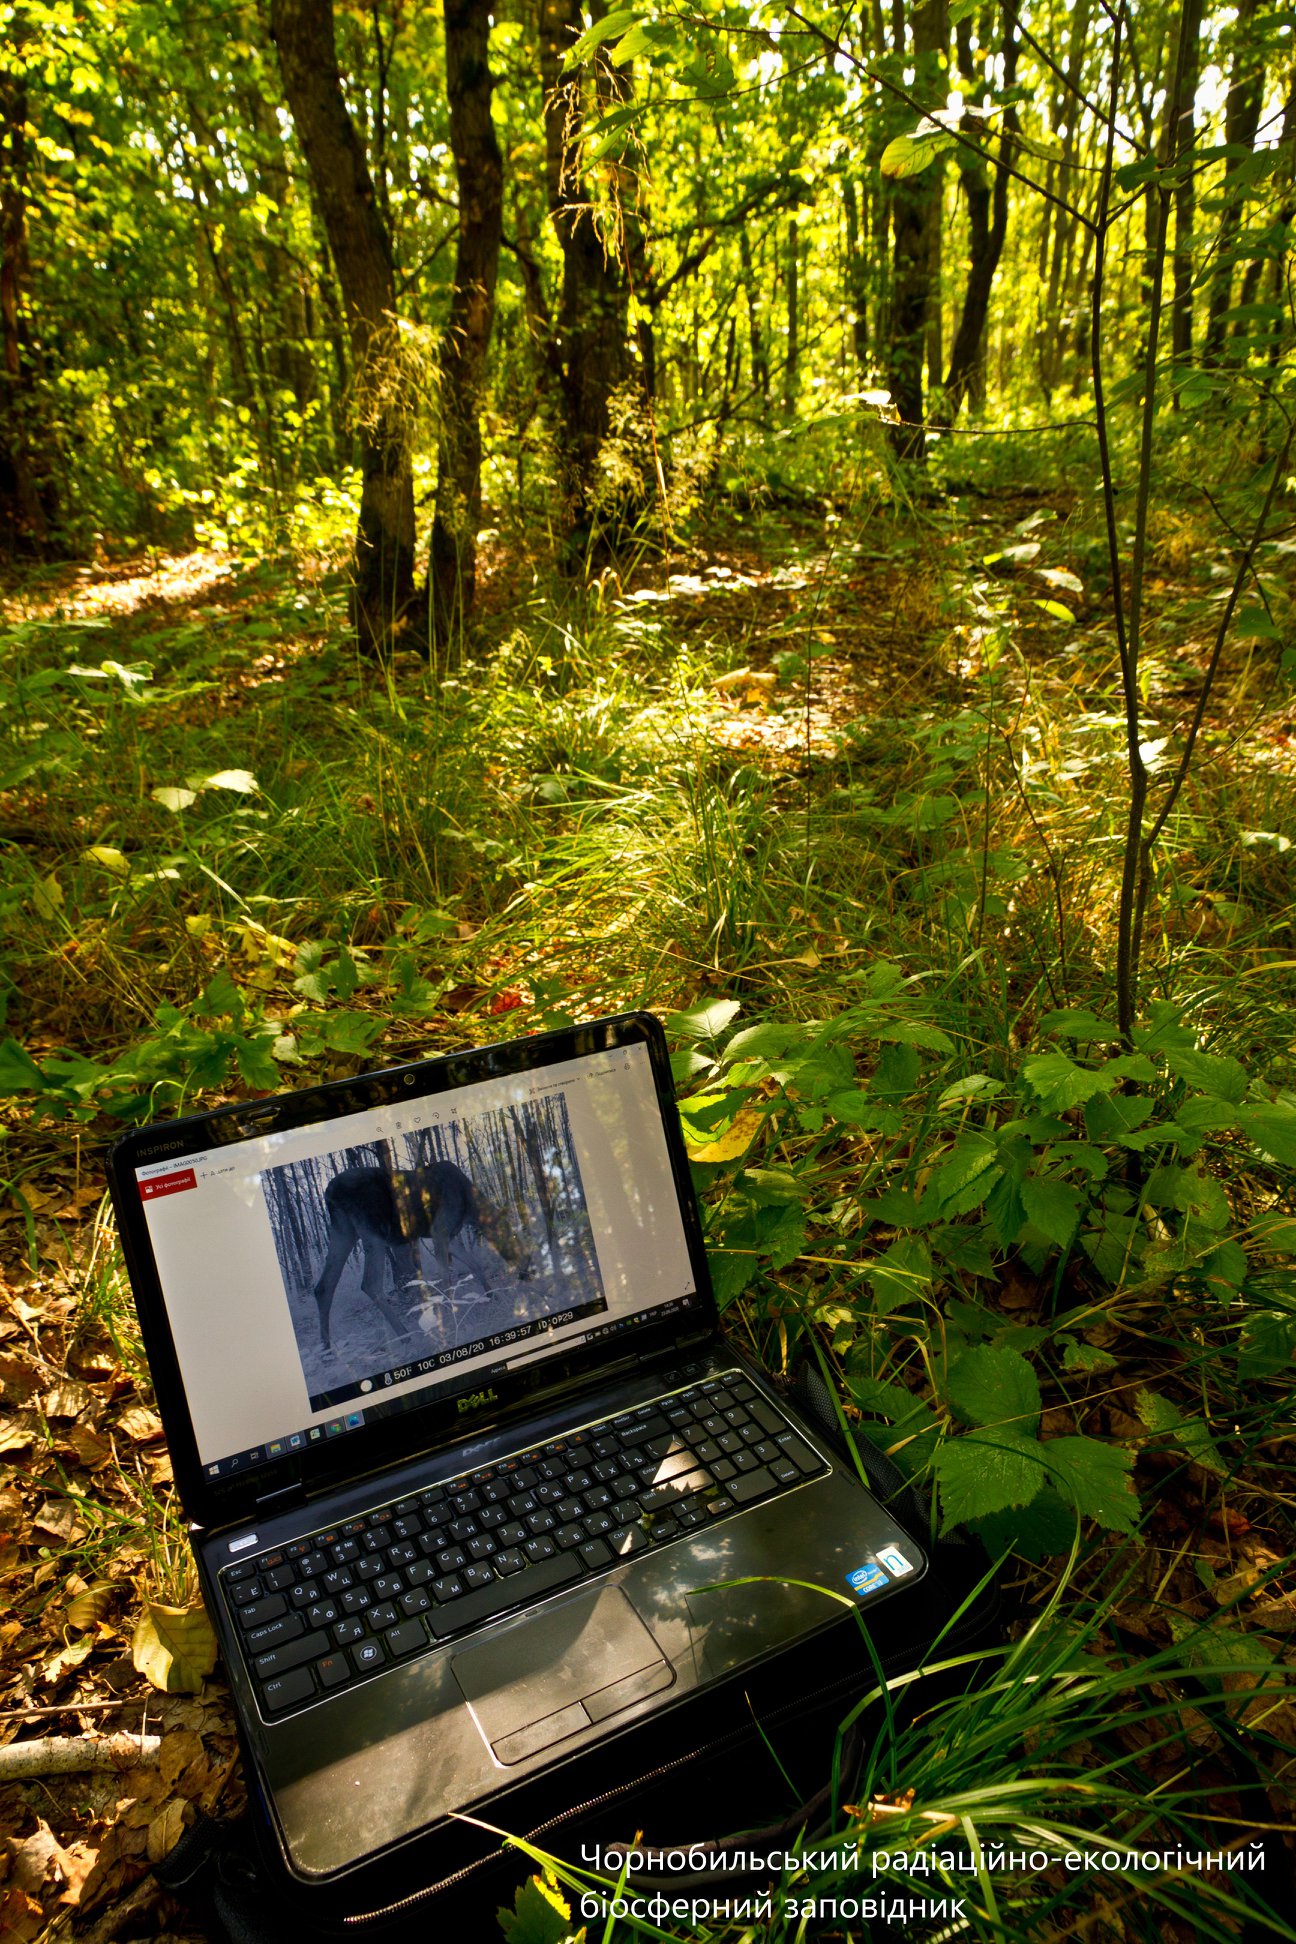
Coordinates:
<point>321,1277</point>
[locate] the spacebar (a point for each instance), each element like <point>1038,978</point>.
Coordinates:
<point>519,1589</point>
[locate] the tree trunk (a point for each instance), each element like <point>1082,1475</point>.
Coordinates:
<point>28,492</point>
<point>856,278</point>
<point>1180,137</point>
<point>988,226</point>
<point>594,306</point>
<point>384,601</point>
<point>760,363</point>
<point>792,365</point>
<point>452,571</point>
<point>1241,121</point>
<point>915,208</point>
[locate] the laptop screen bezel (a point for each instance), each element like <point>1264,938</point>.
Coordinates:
<point>213,1503</point>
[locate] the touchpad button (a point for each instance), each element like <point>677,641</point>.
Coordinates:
<point>526,1688</point>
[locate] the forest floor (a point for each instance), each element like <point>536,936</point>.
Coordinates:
<point>800,746</point>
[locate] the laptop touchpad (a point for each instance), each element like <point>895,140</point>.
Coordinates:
<point>570,1666</point>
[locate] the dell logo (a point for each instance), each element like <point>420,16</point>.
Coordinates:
<point>476,1400</point>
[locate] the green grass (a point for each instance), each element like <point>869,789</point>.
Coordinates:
<point>578,822</point>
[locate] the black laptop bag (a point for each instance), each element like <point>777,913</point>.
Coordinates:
<point>738,1769</point>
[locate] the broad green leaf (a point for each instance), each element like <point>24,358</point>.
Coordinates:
<point>1074,1022</point>
<point>987,1471</point>
<point>1273,1129</point>
<point>705,1021</point>
<point>1060,1083</point>
<point>1087,1358</point>
<point>909,155</point>
<point>964,1178</point>
<point>1192,1435</point>
<point>540,1914</point>
<point>1095,1478</point>
<point>902,1274</point>
<point>172,797</point>
<point>611,27</point>
<point>174,1647</point>
<point>256,1065</point>
<point>1056,610</point>
<point>1267,1344</point>
<point>1045,1527</point>
<point>973,1086</point>
<point>19,1073</point>
<point>1052,1206</point>
<point>350,1032</point>
<point>991,1386</point>
<point>112,859</point>
<point>1209,1073</point>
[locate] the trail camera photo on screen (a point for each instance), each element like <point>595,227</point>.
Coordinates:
<point>431,1242</point>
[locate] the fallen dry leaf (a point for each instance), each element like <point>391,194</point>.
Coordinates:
<point>141,1426</point>
<point>164,1831</point>
<point>67,1399</point>
<point>174,1647</point>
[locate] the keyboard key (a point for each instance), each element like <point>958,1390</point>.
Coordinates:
<point>387,1587</point>
<point>304,1593</point>
<point>246,1591</point>
<point>653,1427</point>
<point>284,1689</point>
<point>630,1539</point>
<point>449,1588</point>
<point>261,1639</point>
<point>367,1655</point>
<point>259,1611</point>
<point>419,1573</point>
<point>356,1599</point>
<point>477,1576</point>
<point>752,1485</point>
<point>407,1638</point>
<point>800,1453</point>
<point>540,1548</point>
<point>294,1653</point>
<point>416,1601</point>
<point>339,1579</point>
<point>595,1554</point>
<point>347,1632</point>
<point>279,1579</point>
<point>380,1617</point>
<point>332,1670</point>
<point>323,1613</point>
<point>512,1560</point>
<point>520,1589</point>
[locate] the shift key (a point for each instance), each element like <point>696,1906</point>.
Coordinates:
<point>293,1652</point>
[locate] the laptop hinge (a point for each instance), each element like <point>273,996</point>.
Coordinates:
<point>280,1501</point>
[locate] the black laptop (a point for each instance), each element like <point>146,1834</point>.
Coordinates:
<point>474,1482</point>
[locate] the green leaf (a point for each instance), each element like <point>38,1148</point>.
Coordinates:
<point>110,857</point>
<point>1056,610</point>
<point>19,1073</point>
<point>350,1032</point>
<point>705,1021</point>
<point>1045,1527</point>
<point>611,27</point>
<point>987,1471</point>
<point>1190,1434</point>
<point>1267,1344</point>
<point>1060,1083</point>
<point>909,155</point>
<point>256,1065</point>
<point>990,1386</point>
<point>964,1179</point>
<point>1095,1478</point>
<point>539,1914</point>
<point>1223,1078</point>
<point>1087,1358</point>
<point>1273,1129</point>
<point>1052,1206</point>
<point>901,1274</point>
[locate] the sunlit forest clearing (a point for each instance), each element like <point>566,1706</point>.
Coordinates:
<point>776,518</point>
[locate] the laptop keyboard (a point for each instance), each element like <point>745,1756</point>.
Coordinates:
<point>372,1591</point>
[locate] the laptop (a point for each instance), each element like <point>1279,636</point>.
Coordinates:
<point>474,1482</point>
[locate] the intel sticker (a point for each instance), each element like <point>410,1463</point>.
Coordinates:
<point>895,1561</point>
<point>867,1579</point>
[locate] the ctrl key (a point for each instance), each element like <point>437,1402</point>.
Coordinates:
<point>285,1689</point>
